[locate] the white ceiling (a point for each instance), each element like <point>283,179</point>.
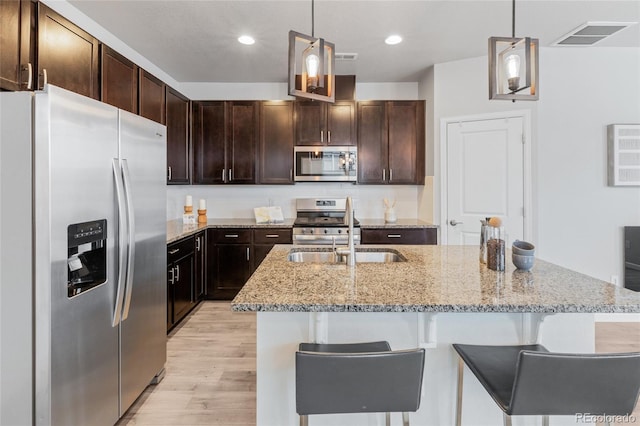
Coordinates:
<point>196,41</point>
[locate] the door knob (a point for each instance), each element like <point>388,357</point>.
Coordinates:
<point>453,222</point>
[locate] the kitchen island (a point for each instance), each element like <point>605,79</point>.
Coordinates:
<point>438,296</point>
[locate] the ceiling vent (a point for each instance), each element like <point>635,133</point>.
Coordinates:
<point>346,56</point>
<point>591,33</point>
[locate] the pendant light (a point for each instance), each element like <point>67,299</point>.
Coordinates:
<point>311,66</point>
<point>513,66</point>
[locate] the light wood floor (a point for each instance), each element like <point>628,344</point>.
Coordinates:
<point>211,369</point>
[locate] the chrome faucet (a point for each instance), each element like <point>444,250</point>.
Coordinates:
<point>350,251</point>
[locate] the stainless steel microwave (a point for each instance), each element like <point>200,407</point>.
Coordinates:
<point>325,163</point>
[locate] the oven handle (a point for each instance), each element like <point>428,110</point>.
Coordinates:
<point>329,238</point>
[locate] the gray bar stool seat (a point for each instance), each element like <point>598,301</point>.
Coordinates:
<point>357,378</point>
<point>530,380</point>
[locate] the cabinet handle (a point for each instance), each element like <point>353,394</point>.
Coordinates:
<point>172,276</point>
<point>384,174</point>
<point>223,170</point>
<point>177,272</point>
<point>321,135</point>
<point>328,136</point>
<point>169,172</point>
<point>290,174</point>
<point>174,251</point>
<point>390,175</point>
<point>230,178</point>
<point>29,69</point>
<point>198,244</point>
<point>44,78</point>
<point>231,235</point>
<point>394,236</point>
<point>247,254</point>
<point>272,235</point>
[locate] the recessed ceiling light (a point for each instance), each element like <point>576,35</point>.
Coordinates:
<point>393,39</point>
<point>245,39</point>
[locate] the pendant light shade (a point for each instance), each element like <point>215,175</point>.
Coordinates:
<point>311,69</point>
<point>513,66</point>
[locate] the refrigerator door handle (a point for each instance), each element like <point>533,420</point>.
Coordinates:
<point>131,238</point>
<point>122,248</point>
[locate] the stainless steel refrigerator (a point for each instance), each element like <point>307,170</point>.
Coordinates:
<point>83,258</point>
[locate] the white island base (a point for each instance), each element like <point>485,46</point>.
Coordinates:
<point>279,333</point>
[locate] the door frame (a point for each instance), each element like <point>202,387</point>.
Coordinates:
<point>526,169</point>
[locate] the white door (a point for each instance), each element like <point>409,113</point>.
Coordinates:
<point>485,177</point>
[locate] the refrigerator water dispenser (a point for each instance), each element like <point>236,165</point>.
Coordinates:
<point>86,256</point>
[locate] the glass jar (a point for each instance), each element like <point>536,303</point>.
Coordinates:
<point>496,247</point>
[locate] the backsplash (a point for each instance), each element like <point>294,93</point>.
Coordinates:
<point>238,201</point>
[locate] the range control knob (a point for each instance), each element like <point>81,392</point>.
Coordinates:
<point>339,231</point>
<point>326,231</point>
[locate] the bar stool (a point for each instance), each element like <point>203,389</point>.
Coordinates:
<point>357,378</point>
<point>530,380</point>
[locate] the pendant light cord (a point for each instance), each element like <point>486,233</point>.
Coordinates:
<point>513,19</point>
<point>313,18</point>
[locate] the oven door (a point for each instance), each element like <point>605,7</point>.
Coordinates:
<point>325,163</point>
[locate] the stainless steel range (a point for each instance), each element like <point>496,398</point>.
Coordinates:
<point>322,221</point>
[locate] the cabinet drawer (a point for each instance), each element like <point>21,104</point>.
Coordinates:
<point>232,235</point>
<point>272,236</point>
<point>180,249</point>
<point>399,236</point>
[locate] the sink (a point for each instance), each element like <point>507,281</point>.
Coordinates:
<point>362,256</point>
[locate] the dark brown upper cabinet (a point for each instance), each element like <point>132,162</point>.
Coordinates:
<point>119,80</point>
<point>225,136</point>
<point>321,123</point>
<point>177,121</point>
<point>17,44</point>
<point>276,142</point>
<point>391,142</point>
<point>151,97</point>
<point>68,57</point>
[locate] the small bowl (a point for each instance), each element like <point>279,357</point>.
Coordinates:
<point>523,248</point>
<point>522,262</point>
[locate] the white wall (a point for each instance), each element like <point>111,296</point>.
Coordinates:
<point>578,219</point>
<point>238,201</point>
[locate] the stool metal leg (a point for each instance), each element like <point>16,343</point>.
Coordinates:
<point>545,420</point>
<point>507,419</point>
<point>459,396</point>
<point>405,419</point>
<point>387,419</point>
<point>304,420</point>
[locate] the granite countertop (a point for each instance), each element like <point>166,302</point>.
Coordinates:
<point>433,279</point>
<point>177,230</point>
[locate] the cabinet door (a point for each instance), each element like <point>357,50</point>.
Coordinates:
<point>67,56</point>
<point>200,266</point>
<point>310,120</point>
<point>276,142</point>
<point>17,44</point>
<point>242,141</point>
<point>183,299</point>
<point>341,123</point>
<point>170,280</point>
<point>119,81</point>
<point>177,137</point>
<point>233,269</point>
<point>406,142</point>
<point>372,142</point>
<point>209,142</point>
<point>151,102</point>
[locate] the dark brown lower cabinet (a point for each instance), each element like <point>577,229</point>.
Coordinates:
<point>265,239</point>
<point>229,261</point>
<point>200,264</point>
<point>181,274</point>
<point>427,236</point>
